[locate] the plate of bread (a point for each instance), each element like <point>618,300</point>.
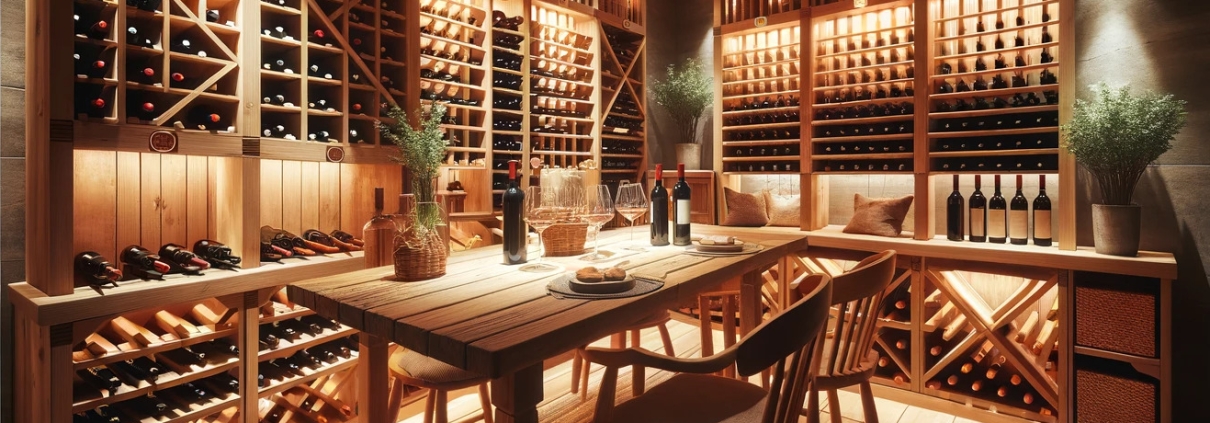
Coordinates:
<point>591,280</point>
<point>719,244</point>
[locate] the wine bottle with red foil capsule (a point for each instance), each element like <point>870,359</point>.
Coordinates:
<point>659,209</point>
<point>978,213</point>
<point>142,263</point>
<point>94,107</point>
<point>183,260</point>
<point>218,255</point>
<point>318,36</point>
<point>515,233</point>
<point>95,270</point>
<point>997,216</point>
<point>99,30</point>
<point>1042,229</point>
<point>206,118</point>
<point>1018,217</point>
<point>681,208</point>
<point>92,66</point>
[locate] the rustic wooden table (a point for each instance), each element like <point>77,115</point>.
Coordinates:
<point>496,320</point>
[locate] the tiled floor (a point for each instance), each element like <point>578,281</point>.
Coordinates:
<point>561,406</point>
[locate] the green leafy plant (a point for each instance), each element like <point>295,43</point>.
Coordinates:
<point>421,150</point>
<point>686,92</point>
<point>1117,135</point>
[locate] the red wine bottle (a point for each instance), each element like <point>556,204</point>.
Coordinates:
<point>147,75</point>
<point>205,118</point>
<point>681,207</point>
<point>659,209</point>
<point>99,30</point>
<point>978,213</point>
<point>953,214</point>
<point>94,269</point>
<point>217,254</point>
<point>95,107</point>
<point>515,244</point>
<point>1042,235</point>
<point>95,68</point>
<point>182,260</point>
<point>997,217</point>
<point>1018,217</point>
<point>142,263</point>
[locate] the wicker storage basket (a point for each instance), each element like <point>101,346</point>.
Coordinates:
<point>420,258</point>
<point>565,239</point>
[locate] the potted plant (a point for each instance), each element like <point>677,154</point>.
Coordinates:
<point>420,247</point>
<point>685,94</point>
<point>1116,136</point>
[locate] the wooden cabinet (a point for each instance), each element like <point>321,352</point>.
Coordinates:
<point>701,186</point>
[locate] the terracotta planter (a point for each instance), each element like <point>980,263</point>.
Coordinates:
<point>1115,229</point>
<point>690,154</point>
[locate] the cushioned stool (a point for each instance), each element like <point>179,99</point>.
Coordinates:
<point>411,368</point>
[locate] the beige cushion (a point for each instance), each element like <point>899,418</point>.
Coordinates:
<point>745,209</point>
<point>692,398</point>
<point>431,373</point>
<point>783,209</point>
<point>878,216</point>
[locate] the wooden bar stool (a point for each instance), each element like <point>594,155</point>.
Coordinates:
<point>580,369</point>
<point>411,368</point>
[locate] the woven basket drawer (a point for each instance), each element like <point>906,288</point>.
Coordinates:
<point>1117,313</point>
<point>1109,391</point>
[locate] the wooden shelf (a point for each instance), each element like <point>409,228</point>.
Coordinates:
<point>305,341</point>
<point>760,126</point>
<point>993,153</point>
<point>280,10</point>
<point>994,92</point>
<point>164,381</point>
<point>993,112</point>
<point>276,387</point>
<point>864,84</point>
<point>998,11</point>
<point>994,31</point>
<point>993,52</point>
<point>731,159</point>
<point>197,411</point>
<point>864,33</point>
<point>994,132</point>
<point>863,121</point>
<point>858,138</point>
<point>867,67</point>
<point>161,347</point>
<point>863,156</point>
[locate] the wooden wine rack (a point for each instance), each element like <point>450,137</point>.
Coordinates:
<point>761,101</point>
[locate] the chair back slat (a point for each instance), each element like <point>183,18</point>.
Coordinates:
<point>856,300</point>
<point>793,373</point>
<point>787,332</point>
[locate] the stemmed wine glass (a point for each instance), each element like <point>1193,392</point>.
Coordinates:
<point>545,207</point>
<point>597,210</point>
<point>632,204</point>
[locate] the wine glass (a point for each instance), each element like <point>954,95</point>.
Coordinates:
<point>545,207</point>
<point>631,204</point>
<point>597,210</point>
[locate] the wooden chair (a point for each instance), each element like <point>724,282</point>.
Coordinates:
<point>580,369</point>
<point>788,342</point>
<point>848,352</point>
<point>411,368</point>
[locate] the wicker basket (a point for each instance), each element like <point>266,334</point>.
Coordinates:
<point>420,258</point>
<point>565,239</point>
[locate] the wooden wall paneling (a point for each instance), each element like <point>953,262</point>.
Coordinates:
<point>309,197</point>
<point>129,201</point>
<point>151,202</point>
<point>234,204</point>
<point>357,183</point>
<point>291,196</point>
<point>924,184</point>
<point>197,214</point>
<point>1067,99</point>
<point>329,197</point>
<point>271,193</point>
<point>174,205</point>
<point>95,207</point>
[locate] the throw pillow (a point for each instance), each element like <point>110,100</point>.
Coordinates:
<point>878,216</point>
<point>745,209</point>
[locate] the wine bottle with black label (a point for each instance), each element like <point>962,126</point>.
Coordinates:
<point>953,214</point>
<point>1018,217</point>
<point>514,225</point>
<point>1042,236</point>
<point>978,213</point>
<point>997,217</point>
<point>681,207</point>
<point>659,209</point>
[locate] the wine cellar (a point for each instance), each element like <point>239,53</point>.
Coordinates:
<point>253,132</point>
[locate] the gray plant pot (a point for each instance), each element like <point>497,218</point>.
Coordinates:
<point>690,154</point>
<point>1115,229</point>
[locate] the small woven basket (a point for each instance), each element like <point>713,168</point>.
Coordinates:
<point>565,239</point>
<point>420,258</point>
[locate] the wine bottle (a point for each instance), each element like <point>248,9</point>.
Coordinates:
<point>182,260</point>
<point>514,226</point>
<point>953,214</point>
<point>212,15</point>
<point>681,208</point>
<point>147,74</point>
<point>142,263</point>
<point>1018,222</point>
<point>97,271</point>
<point>1042,235</point>
<point>217,254</point>
<point>978,213</point>
<point>205,118</point>
<point>182,45</point>
<point>659,209</point>
<point>99,30</point>
<point>997,216</point>
<point>379,234</point>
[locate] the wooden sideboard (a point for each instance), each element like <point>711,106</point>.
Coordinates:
<point>701,185</point>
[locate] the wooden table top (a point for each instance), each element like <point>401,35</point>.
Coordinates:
<point>493,319</point>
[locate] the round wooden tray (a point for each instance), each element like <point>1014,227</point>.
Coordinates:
<point>738,246</point>
<point>604,287</point>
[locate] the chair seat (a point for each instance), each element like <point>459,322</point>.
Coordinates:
<point>693,398</point>
<point>430,373</point>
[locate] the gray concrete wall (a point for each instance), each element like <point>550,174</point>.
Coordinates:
<point>676,31</point>
<point>12,181</point>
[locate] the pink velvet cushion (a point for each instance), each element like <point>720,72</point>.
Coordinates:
<point>745,209</point>
<point>878,216</point>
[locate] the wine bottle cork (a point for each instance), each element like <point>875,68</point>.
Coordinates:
<point>1027,329</point>
<point>133,333</point>
<point>1048,335</point>
<point>900,379</point>
<point>901,344</point>
<point>98,345</point>
<point>966,368</point>
<point>933,384</point>
<point>1028,398</point>
<point>1015,380</point>
<point>977,385</point>
<point>952,380</point>
<point>169,323</point>
<point>1053,314</point>
<point>1002,392</point>
<point>883,362</point>
<point>935,350</point>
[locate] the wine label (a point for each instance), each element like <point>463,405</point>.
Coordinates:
<point>1042,224</point>
<point>682,212</point>
<point>977,224</point>
<point>995,224</point>
<point>1018,224</point>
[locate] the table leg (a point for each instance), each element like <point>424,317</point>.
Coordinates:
<point>373,380</point>
<point>516,396</point>
<point>750,309</point>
